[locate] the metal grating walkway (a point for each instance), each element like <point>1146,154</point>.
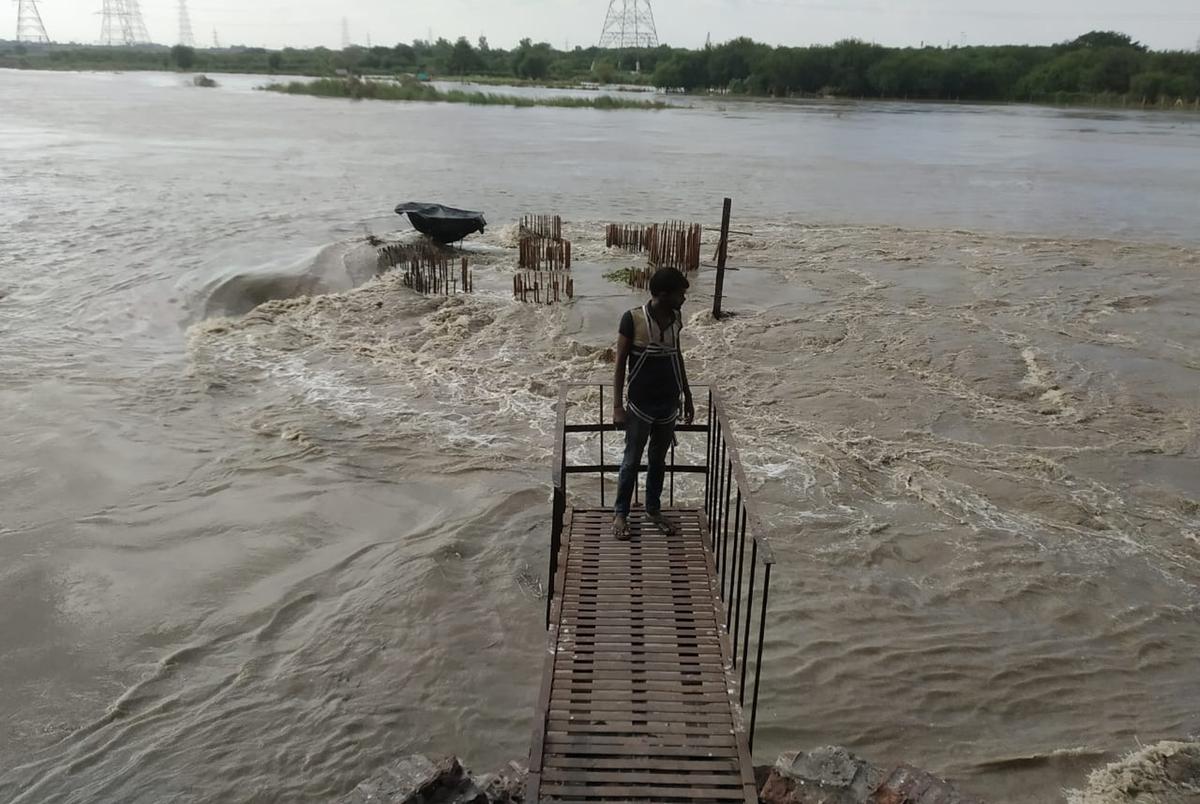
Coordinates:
<point>637,702</point>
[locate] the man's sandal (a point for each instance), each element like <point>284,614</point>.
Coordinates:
<point>621,530</point>
<point>664,525</point>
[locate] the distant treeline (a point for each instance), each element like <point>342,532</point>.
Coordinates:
<point>1096,65</point>
<point>1100,66</point>
<point>528,61</point>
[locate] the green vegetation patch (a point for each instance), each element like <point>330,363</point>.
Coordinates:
<point>622,276</point>
<point>413,91</point>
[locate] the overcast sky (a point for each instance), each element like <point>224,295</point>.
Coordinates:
<point>1161,24</point>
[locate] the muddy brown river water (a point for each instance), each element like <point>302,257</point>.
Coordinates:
<point>251,553</point>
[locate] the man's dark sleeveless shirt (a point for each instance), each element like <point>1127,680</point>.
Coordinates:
<point>655,380</point>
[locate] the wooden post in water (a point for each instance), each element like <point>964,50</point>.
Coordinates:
<point>722,253</point>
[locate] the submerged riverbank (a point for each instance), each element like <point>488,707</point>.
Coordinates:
<point>357,89</point>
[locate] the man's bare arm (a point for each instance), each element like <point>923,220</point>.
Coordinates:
<point>689,407</point>
<point>624,345</point>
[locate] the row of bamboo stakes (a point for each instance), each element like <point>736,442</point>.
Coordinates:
<point>427,269</point>
<point>548,227</point>
<point>628,236</point>
<point>393,254</point>
<point>437,279</point>
<point>539,254</point>
<point>640,277</point>
<point>674,244</point>
<point>541,244</point>
<point>543,287</point>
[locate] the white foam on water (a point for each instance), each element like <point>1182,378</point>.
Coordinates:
<point>1167,772</point>
<point>933,532</point>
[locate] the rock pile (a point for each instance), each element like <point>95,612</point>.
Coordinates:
<point>829,775</point>
<point>417,779</point>
<point>833,775</point>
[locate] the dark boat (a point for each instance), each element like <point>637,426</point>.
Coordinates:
<point>443,224</point>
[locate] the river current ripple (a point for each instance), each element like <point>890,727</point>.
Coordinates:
<point>252,553</point>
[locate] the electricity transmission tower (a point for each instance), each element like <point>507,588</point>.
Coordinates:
<point>29,23</point>
<point>122,24</point>
<point>345,33</point>
<point>629,25</point>
<point>186,38</point>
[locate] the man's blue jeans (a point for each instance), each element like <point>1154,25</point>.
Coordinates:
<point>637,433</point>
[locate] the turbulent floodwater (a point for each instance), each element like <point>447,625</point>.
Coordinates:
<point>266,523</point>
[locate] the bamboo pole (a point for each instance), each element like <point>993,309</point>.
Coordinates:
<point>722,256</point>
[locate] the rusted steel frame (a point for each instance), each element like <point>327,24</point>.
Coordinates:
<point>728,458</point>
<point>540,724</point>
<point>722,502</point>
<point>741,571</point>
<point>639,748</point>
<point>714,517</point>
<point>743,746</point>
<point>559,476</point>
<point>708,455</point>
<point>602,504</point>
<point>703,764</point>
<point>620,745</point>
<point>590,778</point>
<point>559,511</point>
<point>591,469</point>
<point>714,469</point>
<point>714,509</point>
<point>601,427</point>
<point>755,522</point>
<point>762,627</point>
<point>727,466</point>
<point>575,793</point>
<point>671,501</point>
<point>710,480</point>
<point>735,567</point>
<point>660,668</point>
<point>637,482</point>
<point>612,427</point>
<point>749,617</point>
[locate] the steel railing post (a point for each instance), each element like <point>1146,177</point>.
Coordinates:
<point>762,628</point>
<point>749,618</point>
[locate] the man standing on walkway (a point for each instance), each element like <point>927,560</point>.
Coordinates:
<point>648,348</point>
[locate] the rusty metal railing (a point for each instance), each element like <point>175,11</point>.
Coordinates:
<point>726,495</point>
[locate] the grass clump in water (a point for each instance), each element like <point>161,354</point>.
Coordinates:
<point>622,276</point>
<point>413,91</point>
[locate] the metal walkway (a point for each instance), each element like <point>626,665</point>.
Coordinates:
<point>642,685</point>
<point>637,701</point>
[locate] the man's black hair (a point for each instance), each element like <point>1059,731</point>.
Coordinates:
<point>667,280</point>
